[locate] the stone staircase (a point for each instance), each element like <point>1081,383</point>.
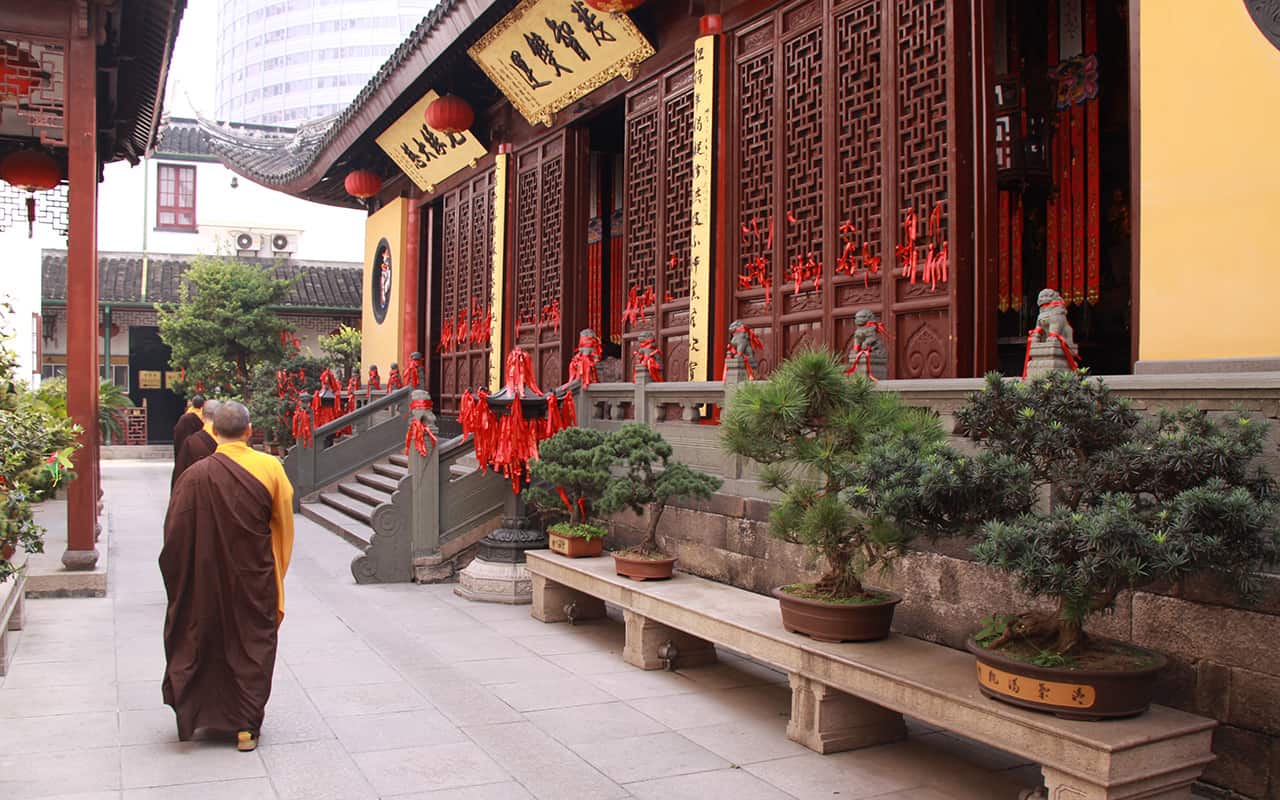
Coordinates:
<point>347,508</point>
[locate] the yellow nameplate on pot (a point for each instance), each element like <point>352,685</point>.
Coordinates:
<point>559,545</point>
<point>1067,695</point>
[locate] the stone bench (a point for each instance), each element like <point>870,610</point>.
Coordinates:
<point>846,696</point>
<point>12,601</point>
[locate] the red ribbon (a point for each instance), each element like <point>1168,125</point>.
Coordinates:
<point>418,431</point>
<point>1031,338</point>
<point>906,252</point>
<point>301,426</point>
<point>647,357</point>
<point>394,381</point>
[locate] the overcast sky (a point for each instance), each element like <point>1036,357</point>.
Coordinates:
<point>192,72</point>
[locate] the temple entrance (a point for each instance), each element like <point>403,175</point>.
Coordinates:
<point>606,282</point>
<point>1061,133</point>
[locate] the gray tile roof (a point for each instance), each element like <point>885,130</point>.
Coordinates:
<point>320,284</point>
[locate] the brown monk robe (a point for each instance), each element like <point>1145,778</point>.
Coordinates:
<point>196,446</point>
<point>228,539</point>
<point>188,423</point>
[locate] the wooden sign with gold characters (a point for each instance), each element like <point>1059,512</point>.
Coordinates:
<point>547,54</point>
<point>426,155</point>
<point>1067,695</point>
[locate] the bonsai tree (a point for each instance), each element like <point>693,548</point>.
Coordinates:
<point>1132,499</point>
<point>650,478</point>
<point>569,478</point>
<point>808,425</point>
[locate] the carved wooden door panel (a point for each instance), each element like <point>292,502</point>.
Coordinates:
<point>659,166</point>
<point>466,262</point>
<point>547,257</point>
<point>844,123</point>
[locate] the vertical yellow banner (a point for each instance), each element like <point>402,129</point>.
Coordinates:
<point>496,290</point>
<point>700,237</point>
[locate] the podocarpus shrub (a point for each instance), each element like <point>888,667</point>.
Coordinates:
<point>570,475</point>
<point>1133,499</point>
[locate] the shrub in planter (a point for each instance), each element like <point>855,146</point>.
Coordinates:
<point>568,479</point>
<point>1133,499</point>
<point>808,425</point>
<point>651,479</point>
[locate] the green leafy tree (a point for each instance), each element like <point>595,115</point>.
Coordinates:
<point>272,414</point>
<point>809,425</point>
<point>343,350</point>
<point>224,324</point>
<point>650,479</point>
<point>577,462</point>
<point>1134,499</point>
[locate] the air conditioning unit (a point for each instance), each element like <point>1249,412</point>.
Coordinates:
<point>246,242</point>
<point>283,243</point>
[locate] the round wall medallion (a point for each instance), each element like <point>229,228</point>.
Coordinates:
<point>1266,15</point>
<point>380,281</point>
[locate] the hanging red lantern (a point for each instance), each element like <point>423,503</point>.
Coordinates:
<point>363,183</point>
<point>30,170</point>
<point>615,6</point>
<point>450,114</point>
<point>20,74</point>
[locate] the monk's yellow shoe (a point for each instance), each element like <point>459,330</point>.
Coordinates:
<point>246,741</point>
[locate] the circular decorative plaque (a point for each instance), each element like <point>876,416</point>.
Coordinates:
<point>380,281</point>
<point>1266,15</point>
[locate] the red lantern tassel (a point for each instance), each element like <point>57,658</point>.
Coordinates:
<point>1002,279</point>
<point>1064,204</point>
<point>1015,292</point>
<point>1093,289</point>
<point>1051,210</point>
<point>1077,203</point>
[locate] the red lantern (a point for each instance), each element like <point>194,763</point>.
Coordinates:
<point>450,114</point>
<point>363,183</point>
<point>20,74</point>
<point>615,6</point>
<point>30,170</point>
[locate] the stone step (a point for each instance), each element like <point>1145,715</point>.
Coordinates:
<point>334,521</point>
<point>357,510</point>
<point>365,494</point>
<point>399,459</point>
<point>390,471</point>
<point>380,482</point>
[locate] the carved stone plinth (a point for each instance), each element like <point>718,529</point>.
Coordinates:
<point>553,602</point>
<point>827,720</point>
<point>1046,356</point>
<point>498,574</point>
<point>80,559</point>
<point>1166,784</point>
<point>646,638</point>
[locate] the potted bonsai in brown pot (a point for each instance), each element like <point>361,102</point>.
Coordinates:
<point>808,426</point>
<point>568,479</point>
<point>1132,500</point>
<point>651,479</point>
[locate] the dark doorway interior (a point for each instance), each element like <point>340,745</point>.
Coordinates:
<point>605,262</point>
<point>1062,131</point>
<point>148,353</point>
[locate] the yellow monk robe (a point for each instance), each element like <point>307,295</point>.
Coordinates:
<point>270,473</point>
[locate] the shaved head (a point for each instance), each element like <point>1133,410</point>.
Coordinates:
<point>231,421</point>
<point>197,401</point>
<point>211,408</point>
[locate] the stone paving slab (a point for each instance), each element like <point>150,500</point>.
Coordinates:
<point>412,693</point>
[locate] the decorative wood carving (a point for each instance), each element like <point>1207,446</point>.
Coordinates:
<point>466,266</point>
<point>541,256</point>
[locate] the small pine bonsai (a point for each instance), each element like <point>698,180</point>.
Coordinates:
<point>651,478</point>
<point>570,475</point>
<point>1134,499</point>
<point>809,425</point>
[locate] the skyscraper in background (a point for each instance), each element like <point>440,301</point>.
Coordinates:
<point>284,61</point>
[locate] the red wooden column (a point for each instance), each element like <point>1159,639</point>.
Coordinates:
<point>82,289</point>
<point>412,268</point>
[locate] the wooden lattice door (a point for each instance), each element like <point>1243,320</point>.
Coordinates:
<point>659,166</point>
<point>547,267</point>
<point>845,118</point>
<point>465,264</point>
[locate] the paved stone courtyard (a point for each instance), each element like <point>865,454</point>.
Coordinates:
<point>411,692</point>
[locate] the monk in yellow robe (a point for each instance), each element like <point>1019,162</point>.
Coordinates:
<point>188,423</point>
<point>228,536</point>
<point>198,445</point>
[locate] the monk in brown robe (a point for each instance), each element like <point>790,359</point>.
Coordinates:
<point>188,423</point>
<point>198,445</point>
<point>228,537</point>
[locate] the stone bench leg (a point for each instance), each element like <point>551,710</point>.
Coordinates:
<point>829,721</point>
<point>645,637</point>
<point>553,601</point>
<point>1175,785</point>
<point>20,607</point>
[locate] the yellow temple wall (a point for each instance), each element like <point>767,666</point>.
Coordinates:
<point>1210,183</point>
<point>380,342</point>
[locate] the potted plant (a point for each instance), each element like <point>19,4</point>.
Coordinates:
<point>807,425</point>
<point>568,478</point>
<point>651,479</point>
<point>1132,500</point>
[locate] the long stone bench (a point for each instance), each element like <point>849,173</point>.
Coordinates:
<point>846,696</point>
<point>12,600</point>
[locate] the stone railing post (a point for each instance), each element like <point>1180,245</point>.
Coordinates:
<point>640,399</point>
<point>735,374</point>
<point>424,482</point>
<point>304,457</point>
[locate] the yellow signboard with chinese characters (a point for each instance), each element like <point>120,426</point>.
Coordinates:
<point>148,379</point>
<point>547,54</point>
<point>426,155</point>
<point>700,238</point>
<point>172,376</point>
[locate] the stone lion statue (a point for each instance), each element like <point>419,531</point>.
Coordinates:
<point>866,338</point>
<point>1053,319</point>
<point>742,343</point>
